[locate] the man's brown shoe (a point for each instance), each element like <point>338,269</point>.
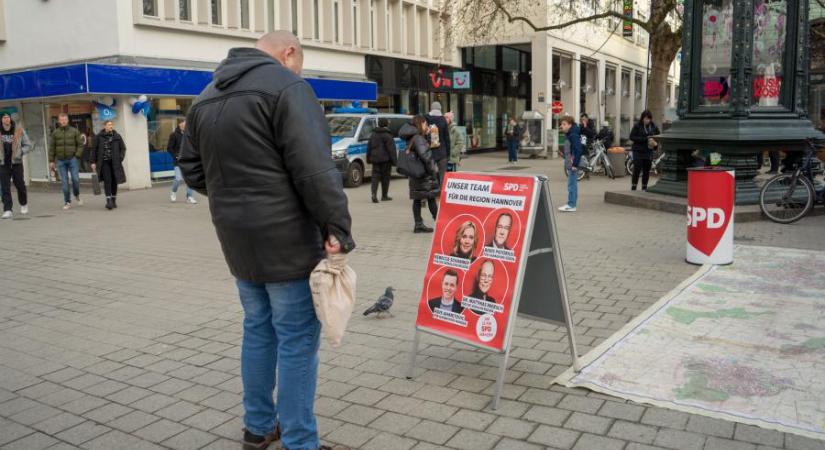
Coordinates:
<point>252,441</point>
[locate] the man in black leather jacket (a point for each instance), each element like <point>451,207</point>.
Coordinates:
<point>257,144</point>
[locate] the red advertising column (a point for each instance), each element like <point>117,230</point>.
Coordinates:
<point>710,200</point>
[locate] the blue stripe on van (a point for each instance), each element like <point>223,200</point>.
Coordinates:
<point>357,149</point>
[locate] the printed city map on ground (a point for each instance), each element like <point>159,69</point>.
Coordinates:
<point>744,342</point>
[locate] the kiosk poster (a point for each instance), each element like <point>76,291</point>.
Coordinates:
<point>473,266</point>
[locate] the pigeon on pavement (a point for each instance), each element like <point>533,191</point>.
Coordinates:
<point>383,304</point>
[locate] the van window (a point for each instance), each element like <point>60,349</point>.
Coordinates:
<point>367,129</point>
<point>342,126</point>
<point>396,123</point>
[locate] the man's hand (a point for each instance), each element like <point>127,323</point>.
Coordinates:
<point>572,169</point>
<point>332,246</point>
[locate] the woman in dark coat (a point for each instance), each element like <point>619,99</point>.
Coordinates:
<point>107,156</point>
<point>643,146</point>
<point>426,187</point>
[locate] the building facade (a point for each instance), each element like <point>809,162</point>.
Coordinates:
<point>99,57</point>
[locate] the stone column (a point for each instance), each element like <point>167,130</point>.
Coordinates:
<point>617,111</point>
<point>541,53</point>
<point>133,128</point>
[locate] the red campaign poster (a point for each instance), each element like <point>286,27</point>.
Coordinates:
<point>472,270</point>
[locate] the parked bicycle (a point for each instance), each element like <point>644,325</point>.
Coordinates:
<point>595,162</point>
<point>789,196</point>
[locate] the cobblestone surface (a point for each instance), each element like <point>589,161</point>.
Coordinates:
<point>122,330</point>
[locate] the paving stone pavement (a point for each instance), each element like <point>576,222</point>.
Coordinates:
<point>122,330</point>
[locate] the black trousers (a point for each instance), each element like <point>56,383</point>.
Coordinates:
<point>774,158</point>
<point>641,166</point>
<point>381,173</point>
<point>432,204</point>
<point>15,174</point>
<point>109,179</point>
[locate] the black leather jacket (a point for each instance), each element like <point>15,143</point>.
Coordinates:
<point>257,144</point>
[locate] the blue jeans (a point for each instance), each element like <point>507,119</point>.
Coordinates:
<point>280,332</point>
<point>64,166</point>
<point>572,188</point>
<point>512,150</point>
<point>177,182</point>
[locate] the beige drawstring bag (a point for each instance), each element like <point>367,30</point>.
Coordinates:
<point>333,294</point>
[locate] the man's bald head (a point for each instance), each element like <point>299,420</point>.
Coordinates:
<point>284,47</point>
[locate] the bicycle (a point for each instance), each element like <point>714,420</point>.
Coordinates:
<point>598,163</point>
<point>654,166</point>
<point>788,197</point>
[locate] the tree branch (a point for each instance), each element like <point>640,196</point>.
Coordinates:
<point>512,19</point>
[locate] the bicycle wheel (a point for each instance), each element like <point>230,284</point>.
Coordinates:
<point>786,198</point>
<point>608,168</point>
<point>628,166</point>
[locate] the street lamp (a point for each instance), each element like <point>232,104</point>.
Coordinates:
<point>743,89</point>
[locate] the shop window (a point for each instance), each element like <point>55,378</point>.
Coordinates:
<point>335,23</point>
<point>245,14</point>
<point>770,30</point>
<point>216,12</point>
<point>185,10</point>
<point>294,12</point>
<point>485,57</point>
<point>316,13</point>
<point>510,59</point>
<point>150,8</point>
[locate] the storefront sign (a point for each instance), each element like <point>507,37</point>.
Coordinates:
<point>461,80</point>
<point>627,25</point>
<point>446,80</point>
<point>494,255</point>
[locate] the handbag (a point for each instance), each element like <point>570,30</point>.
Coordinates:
<point>95,184</point>
<point>409,164</point>
<point>333,296</point>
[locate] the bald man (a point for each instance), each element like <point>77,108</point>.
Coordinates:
<point>257,144</point>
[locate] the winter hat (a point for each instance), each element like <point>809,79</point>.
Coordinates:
<point>436,106</point>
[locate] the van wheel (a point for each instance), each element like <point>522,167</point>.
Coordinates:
<point>355,174</point>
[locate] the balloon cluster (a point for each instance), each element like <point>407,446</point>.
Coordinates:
<point>140,105</point>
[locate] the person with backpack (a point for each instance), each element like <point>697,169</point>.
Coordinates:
<point>382,154</point>
<point>426,187</point>
<point>643,147</point>
<point>439,138</point>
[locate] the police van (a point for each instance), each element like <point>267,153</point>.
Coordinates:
<point>350,132</point>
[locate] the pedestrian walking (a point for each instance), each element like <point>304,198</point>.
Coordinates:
<point>16,143</point>
<point>456,143</point>
<point>257,144</point>
<point>108,151</point>
<point>441,151</point>
<point>173,147</point>
<point>427,187</point>
<point>572,158</point>
<point>512,135</point>
<point>65,149</point>
<point>383,155</point>
<point>643,147</point>
<point>588,131</point>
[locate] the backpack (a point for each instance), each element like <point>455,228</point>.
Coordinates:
<point>435,140</point>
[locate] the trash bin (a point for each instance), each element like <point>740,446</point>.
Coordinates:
<point>711,195</point>
<point>616,155</point>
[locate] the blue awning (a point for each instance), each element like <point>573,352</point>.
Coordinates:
<point>153,81</point>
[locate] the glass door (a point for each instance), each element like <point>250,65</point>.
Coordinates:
<point>34,124</point>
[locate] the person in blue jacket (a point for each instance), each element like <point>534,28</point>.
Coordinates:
<point>572,156</point>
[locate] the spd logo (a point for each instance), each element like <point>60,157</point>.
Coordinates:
<point>712,217</point>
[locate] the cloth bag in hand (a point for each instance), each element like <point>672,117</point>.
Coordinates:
<point>333,295</point>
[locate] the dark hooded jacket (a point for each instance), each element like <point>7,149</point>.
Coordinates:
<point>427,186</point>
<point>257,144</point>
<point>381,147</point>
